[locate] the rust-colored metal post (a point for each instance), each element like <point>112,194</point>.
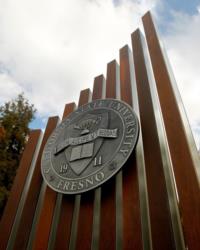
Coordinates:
<point>10,211</point>
<point>184,156</point>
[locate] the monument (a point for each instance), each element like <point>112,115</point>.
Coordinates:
<point>121,171</point>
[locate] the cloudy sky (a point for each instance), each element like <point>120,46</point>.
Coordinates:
<point>51,49</point>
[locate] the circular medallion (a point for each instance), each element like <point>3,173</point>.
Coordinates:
<point>89,146</point>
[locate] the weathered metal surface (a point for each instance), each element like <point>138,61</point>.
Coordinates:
<point>108,210</point>
<point>47,212</point>
<point>167,164</point>
<point>132,231</point>
<point>64,223</point>
<point>90,146</point>
<point>44,222</point>
<point>69,108</point>
<point>137,209</point>
<point>78,213</point>
<point>7,221</point>
<point>63,230</point>
<point>90,201</point>
<point>30,204</point>
<point>161,226</point>
<point>184,156</point>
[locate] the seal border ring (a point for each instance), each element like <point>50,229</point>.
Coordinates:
<point>74,115</point>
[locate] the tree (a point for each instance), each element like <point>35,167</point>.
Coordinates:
<point>15,117</point>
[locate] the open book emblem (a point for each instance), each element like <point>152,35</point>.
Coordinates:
<point>89,146</point>
<point>89,135</point>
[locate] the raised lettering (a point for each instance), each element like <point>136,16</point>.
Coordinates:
<point>66,185</point>
<point>89,182</point>
<point>110,104</point>
<point>130,130</point>
<point>46,171</point>
<point>129,136</point>
<point>80,185</point>
<point>128,118</point>
<point>47,156</point>
<point>60,183</point>
<point>118,106</point>
<point>124,110</point>
<point>99,176</point>
<point>73,186</point>
<point>130,124</point>
<point>127,143</point>
<point>98,161</point>
<point>63,168</point>
<point>124,152</point>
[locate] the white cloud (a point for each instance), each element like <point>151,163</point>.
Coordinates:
<point>52,49</point>
<point>9,89</point>
<point>55,48</point>
<point>182,44</point>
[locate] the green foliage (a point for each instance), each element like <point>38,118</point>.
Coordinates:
<point>15,116</point>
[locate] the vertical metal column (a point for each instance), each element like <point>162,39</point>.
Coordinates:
<point>184,156</point>
<point>132,232</point>
<point>108,211</point>
<point>30,203</point>
<point>85,97</point>
<point>161,226</point>
<point>138,208</point>
<point>22,180</point>
<point>67,205</point>
<point>97,93</point>
<point>57,215</point>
